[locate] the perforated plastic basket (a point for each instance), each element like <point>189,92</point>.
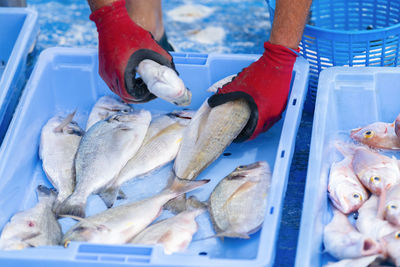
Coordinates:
<point>349,33</point>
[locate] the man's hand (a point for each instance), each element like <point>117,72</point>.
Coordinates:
<point>265,85</point>
<point>122,46</point>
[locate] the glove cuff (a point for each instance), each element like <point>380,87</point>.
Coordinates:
<point>282,57</point>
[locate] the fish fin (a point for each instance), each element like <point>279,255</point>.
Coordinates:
<point>225,234</point>
<point>121,195</point>
<point>397,126</point>
<point>346,149</point>
<point>381,205</point>
<point>30,236</point>
<point>87,222</point>
<point>167,236</point>
<point>72,206</point>
<point>109,196</point>
<point>176,205</point>
<point>240,190</point>
<point>181,186</point>
<point>192,203</point>
<point>65,122</point>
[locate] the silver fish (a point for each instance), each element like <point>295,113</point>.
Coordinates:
<point>35,227</point>
<point>391,242</point>
<point>392,205</point>
<point>175,233</point>
<point>102,153</point>
<point>59,142</point>
<point>237,204</point>
<point>120,224</point>
<point>159,147</point>
<point>210,131</point>
<point>343,241</point>
<point>164,82</point>
<point>369,224</point>
<point>104,108</point>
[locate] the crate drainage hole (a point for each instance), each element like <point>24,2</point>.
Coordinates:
<point>294,102</point>
<point>203,253</point>
<point>282,153</point>
<point>227,154</point>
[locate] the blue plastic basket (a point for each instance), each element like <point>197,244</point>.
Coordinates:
<point>349,33</point>
<point>51,89</point>
<point>347,98</point>
<point>18,31</point>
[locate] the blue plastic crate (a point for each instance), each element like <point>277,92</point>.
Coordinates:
<point>66,79</point>
<point>349,33</point>
<point>18,31</point>
<point>347,98</point>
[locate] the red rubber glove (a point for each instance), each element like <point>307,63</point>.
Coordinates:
<point>122,46</point>
<point>265,85</point>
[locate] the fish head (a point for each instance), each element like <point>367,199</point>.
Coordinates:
<point>391,244</point>
<point>109,105</point>
<point>81,233</point>
<point>392,212</point>
<point>254,169</point>
<point>348,198</point>
<point>17,234</point>
<point>370,135</point>
<point>375,183</point>
<point>129,118</point>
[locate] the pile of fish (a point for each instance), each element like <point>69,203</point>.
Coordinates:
<point>121,144</point>
<point>366,184</point>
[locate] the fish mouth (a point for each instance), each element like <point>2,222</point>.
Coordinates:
<point>185,100</point>
<point>354,132</point>
<point>370,247</point>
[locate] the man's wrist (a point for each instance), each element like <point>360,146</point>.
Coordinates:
<point>96,4</point>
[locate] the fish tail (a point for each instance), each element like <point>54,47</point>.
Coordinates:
<point>346,149</point>
<point>109,196</point>
<point>65,122</point>
<point>178,187</point>
<point>193,204</point>
<point>397,126</point>
<point>46,194</point>
<point>73,205</point>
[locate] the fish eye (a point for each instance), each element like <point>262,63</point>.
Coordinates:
<point>375,179</point>
<point>391,207</point>
<point>66,243</point>
<point>397,235</point>
<point>369,134</point>
<point>357,196</point>
<point>125,111</point>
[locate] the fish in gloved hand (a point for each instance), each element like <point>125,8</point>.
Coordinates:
<point>175,233</point>
<point>210,131</point>
<point>160,146</point>
<point>35,227</point>
<point>343,241</point>
<point>237,204</point>
<point>345,190</point>
<point>120,224</point>
<point>164,82</point>
<point>104,108</point>
<point>102,153</point>
<point>59,141</point>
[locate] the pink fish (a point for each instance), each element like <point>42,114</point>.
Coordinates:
<point>345,190</point>
<point>343,241</point>
<point>391,245</point>
<point>378,135</point>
